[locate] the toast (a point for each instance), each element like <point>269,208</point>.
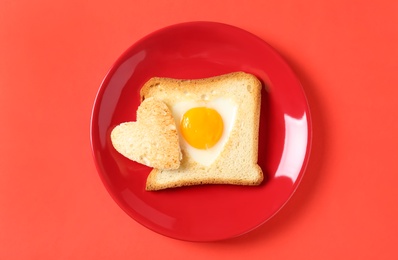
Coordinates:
<point>236,163</point>
<point>152,140</point>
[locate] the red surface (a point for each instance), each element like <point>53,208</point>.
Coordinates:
<point>199,50</point>
<point>54,55</point>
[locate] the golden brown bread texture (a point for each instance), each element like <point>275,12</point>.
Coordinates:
<point>237,162</point>
<point>152,140</point>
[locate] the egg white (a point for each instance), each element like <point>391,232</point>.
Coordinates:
<point>227,110</point>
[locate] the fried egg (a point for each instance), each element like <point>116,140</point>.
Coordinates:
<point>204,127</point>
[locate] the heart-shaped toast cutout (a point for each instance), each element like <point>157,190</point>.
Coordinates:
<point>152,140</point>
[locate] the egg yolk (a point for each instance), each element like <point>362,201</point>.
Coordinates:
<point>202,127</point>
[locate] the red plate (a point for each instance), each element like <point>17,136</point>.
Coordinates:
<point>209,212</point>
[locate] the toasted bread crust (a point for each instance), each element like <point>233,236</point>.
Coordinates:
<point>153,185</point>
<point>237,163</point>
